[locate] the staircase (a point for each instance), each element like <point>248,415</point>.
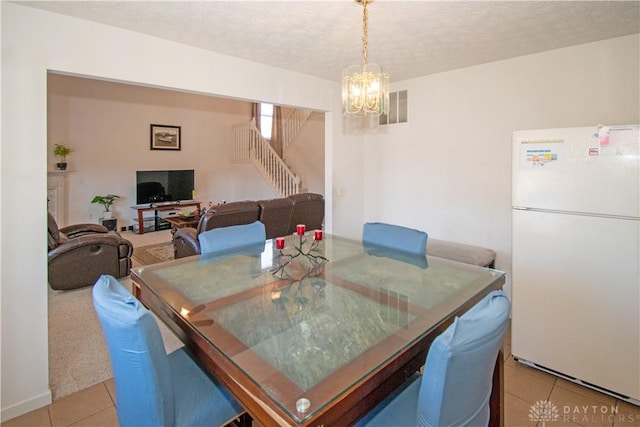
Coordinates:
<point>249,145</point>
<point>292,126</point>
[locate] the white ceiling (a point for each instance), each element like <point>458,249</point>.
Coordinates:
<point>409,38</point>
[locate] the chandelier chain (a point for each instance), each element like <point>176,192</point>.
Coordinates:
<point>365,29</point>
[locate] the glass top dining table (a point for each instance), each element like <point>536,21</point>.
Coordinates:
<point>317,332</point>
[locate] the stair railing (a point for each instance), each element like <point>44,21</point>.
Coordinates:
<point>291,126</point>
<point>249,145</point>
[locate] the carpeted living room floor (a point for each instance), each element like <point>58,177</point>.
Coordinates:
<point>78,355</point>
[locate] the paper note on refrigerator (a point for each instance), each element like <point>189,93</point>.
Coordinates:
<point>540,154</point>
<point>618,140</point>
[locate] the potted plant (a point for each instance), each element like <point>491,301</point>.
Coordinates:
<point>106,201</point>
<point>61,151</point>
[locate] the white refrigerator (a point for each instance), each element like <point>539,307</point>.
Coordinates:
<point>576,257</point>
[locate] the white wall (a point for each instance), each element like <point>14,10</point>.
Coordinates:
<point>33,42</point>
<point>448,170</point>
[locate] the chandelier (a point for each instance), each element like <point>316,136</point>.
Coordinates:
<point>365,88</point>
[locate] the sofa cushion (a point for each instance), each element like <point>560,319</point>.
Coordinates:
<point>460,252</point>
<point>275,214</point>
<point>308,209</point>
<point>233,213</point>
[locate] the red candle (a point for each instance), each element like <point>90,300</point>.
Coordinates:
<point>318,235</point>
<point>300,228</point>
<point>279,242</point>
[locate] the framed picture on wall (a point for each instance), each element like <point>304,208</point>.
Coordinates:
<point>165,137</point>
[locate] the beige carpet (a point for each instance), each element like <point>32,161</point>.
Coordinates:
<point>78,355</point>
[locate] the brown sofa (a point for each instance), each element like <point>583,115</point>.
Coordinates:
<point>279,216</point>
<point>79,254</point>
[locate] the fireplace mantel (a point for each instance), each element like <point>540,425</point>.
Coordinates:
<point>57,196</point>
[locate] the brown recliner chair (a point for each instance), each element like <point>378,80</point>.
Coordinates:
<point>80,253</point>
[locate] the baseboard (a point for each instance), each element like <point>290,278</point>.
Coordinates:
<point>26,406</point>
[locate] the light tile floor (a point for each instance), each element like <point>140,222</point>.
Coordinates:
<point>524,386</point>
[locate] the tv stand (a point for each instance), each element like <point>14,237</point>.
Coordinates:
<point>158,207</point>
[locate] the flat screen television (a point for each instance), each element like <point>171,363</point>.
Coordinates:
<point>164,186</point>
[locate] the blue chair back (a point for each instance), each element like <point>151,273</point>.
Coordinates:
<point>236,237</point>
<point>144,387</point>
<point>395,237</point>
<point>458,373</point>
<point>406,257</point>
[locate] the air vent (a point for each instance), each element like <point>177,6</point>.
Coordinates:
<point>398,106</point>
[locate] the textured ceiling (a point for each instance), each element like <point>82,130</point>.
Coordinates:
<point>409,38</point>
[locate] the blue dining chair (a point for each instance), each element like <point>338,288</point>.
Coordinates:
<point>153,388</point>
<point>235,237</point>
<point>395,237</point>
<point>455,386</point>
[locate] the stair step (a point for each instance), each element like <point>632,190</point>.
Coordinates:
<point>250,146</point>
